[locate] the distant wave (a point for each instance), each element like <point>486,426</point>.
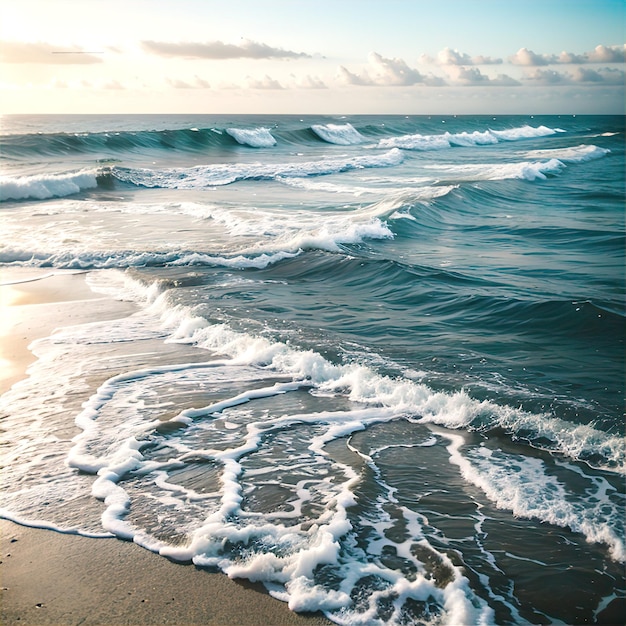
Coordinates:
<point>208,139</point>
<point>464,139</point>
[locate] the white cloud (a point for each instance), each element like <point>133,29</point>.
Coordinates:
<point>448,56</point>
<point>198,83</point>
<point>217,50</point>
<point>580,75</point>
<point>113,84</point>
<point>264,83</point>
<point>546,77</point>
<point>382,72</point>
<point>310,82</point>
<point>567,58</point>
<point>45,53</point>
<point>608,54</point>
<point>474,77</point>
<point>347,77</point>
<point>606,76</point>
<point>528,58</point>
<point>392,72</point>
<point>600,54</point>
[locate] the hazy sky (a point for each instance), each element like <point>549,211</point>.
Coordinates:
<point>312,56</point>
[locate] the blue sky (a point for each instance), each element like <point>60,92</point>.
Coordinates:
<point>312,56</point>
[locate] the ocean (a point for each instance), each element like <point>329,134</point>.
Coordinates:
<point>376,362</point>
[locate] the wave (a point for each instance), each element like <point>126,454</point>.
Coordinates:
<point>465,139</point>
<point>114,143</point>
<point>106,259</point>
<point>524,486</point>
<point>260,491</point>
<point>289,238</point>
<point>574,154</point>
<point>224,174</point>
<point>510,481</point>
<point>255,138</point>
<point>339,134</point>
<point>525,170</point>
<point>203,140</point>
<point>402,396</point>
<point>45,186</point>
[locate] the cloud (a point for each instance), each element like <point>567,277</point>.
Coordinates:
<point>45,53</point>
<point>310,82</point>
<point>218,50</point>
<point>580,75</point>
<point>113,84</point>
<point>473,77</point>
<point>607,54</point>
<point>198,83</point>
<point>547,77</point>
<point>264,83</point>
<point>605,76</point>
<point>448,56</point>
<point>528,58</point>
<point>347,77</point>
<point>383,72</point>
<point>392,72</point>
<point>228,86</point>
<point>600,54</point>
<point>566,58</point>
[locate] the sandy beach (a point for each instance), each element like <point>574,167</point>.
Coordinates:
<point>52,578</point>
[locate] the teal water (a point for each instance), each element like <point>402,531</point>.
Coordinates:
<point>378,362</point>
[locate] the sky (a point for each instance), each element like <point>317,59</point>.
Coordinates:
<point>313,56</point>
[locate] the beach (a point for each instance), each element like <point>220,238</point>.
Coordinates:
<point>49,577</point>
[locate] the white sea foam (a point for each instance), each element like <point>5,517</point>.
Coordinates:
<point>266,237</point>
<point>279,550</point>
<point>402,396</point>
<point>524,486</point>
<point>339,134</point>
<point>44,186</point>
<point>253,137</point>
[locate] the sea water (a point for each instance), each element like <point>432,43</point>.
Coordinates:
<point>376,363</point>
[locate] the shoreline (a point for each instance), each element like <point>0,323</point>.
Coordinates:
<point>52,578</point>
<point>56,579</point>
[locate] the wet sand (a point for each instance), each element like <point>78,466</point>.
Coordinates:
<point>53,578</point>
